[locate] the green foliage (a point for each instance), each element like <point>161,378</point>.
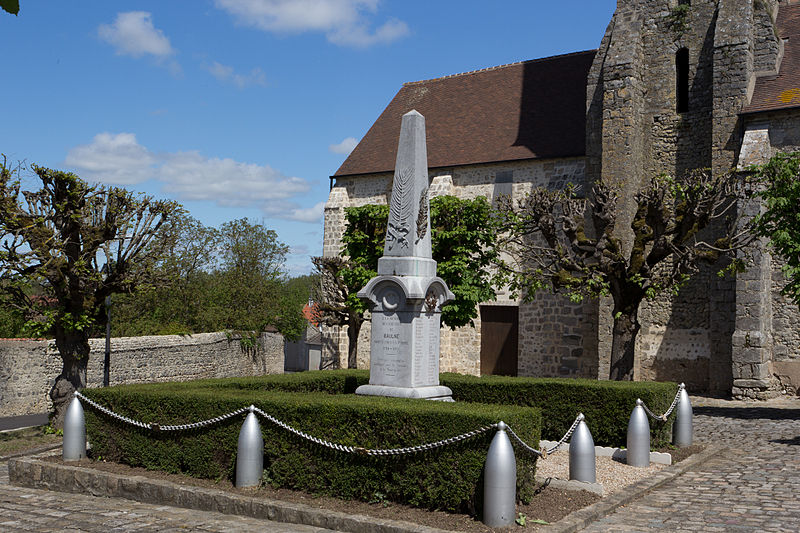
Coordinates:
<point>75,244</point>
<point>230,278</point>
<point>780,222</point>
<point>678,19</point>
<point>463,235</point>
<point>448,478</point>
<point>606,404</point>
<point>10,6</point>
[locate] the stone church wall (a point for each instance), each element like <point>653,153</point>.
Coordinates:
<point>28,368</point>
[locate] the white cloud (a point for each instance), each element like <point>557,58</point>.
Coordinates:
<point>291,211</point>
<point>133,34</point>
<point>344,22</point>
<point>225,73</point>
<point>344,147</point>
<point>192,176</point>
<point>299,249</point>
<point>118,159</point>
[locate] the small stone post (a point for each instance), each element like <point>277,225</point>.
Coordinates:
<point>74,445</point>
<point>500,481</point>
<point>250,452</point>
<point>638,437</point>
<point>682,428</point>
<point>582,461</point>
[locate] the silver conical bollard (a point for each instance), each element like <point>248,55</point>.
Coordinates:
<point>638,437</point>
<point>682,428</point>
<point>74,446</point>
<point>250,452</point>
<point>582,462</point>
<point>500,481</point>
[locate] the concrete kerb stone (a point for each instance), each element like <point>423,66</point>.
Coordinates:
<point>583,517</point>
<point>35,473</point>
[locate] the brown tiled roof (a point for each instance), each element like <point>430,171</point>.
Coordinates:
<point>533,109</point>
<point>782,91</point>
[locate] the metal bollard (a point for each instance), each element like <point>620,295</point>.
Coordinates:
<point>582,462</point>
<point>74,446</point>
<point>638,437</point>
<point>500,481</point>
<point>682,428</point>
<point>250,452</point>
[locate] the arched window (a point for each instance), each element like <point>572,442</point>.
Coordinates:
<point>682,80</point>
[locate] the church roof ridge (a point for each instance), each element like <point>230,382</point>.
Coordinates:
<point>497,67</point>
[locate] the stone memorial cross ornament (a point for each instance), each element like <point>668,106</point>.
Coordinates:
<point>406,296</point>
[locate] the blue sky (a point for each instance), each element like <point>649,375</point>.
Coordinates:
<point>244,108</point>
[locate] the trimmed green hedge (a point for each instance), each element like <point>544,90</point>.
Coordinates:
<point>448,478</point>
<point>606,404</point>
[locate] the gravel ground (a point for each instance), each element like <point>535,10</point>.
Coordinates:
<point>611,474</point>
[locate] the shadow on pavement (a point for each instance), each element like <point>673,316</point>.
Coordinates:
<point>791,442</point>
<point>749,413</point>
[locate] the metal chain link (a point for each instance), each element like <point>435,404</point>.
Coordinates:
<point>159,427</point>
<point>375,452</point>
<point>544,452</point>
<point>332,445</point>
<point>664,417</point>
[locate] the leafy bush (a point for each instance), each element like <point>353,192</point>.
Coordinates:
<point>448,478</point>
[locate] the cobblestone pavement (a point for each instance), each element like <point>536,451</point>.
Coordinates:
<point>751,486</point>
<point>23,509</point>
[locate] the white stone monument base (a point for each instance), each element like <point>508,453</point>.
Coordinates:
<point>433,392</point>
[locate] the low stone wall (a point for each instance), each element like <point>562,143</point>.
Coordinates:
<point>28,368</point>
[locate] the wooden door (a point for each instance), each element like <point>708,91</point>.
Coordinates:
<point>499,332</point>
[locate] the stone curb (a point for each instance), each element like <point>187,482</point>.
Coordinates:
<point>34,473</point>
<point>582,518</point>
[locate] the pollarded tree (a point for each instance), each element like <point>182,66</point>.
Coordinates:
<point>552,248</point>
<point>78,243</point>
<point>463,236</point>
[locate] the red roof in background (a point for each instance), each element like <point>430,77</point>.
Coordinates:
<point>311,313</point>
<point>533,109</point>
<point>782,91</point>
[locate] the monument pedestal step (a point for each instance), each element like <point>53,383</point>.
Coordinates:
<point>434,392</point>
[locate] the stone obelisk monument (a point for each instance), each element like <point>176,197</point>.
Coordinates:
<point>406,296</point>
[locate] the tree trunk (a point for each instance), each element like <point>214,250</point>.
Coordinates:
<point>626,327</point>
<point>353,329</point>
<point>74,350</point>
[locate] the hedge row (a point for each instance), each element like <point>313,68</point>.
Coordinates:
<point>606,404</point>
<point>448,478</point>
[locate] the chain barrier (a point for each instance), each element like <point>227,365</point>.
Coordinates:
<point>159,427</point>
<point>664,417</point>
<point>544,452</point>
<point>332,445</point>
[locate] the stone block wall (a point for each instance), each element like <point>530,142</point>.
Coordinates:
<point>28,368</point>
<point>555,338</point>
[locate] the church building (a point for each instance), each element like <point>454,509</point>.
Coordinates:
<point>675,85</point>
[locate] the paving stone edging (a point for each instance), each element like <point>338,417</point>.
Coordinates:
<point>35,473</point>
<point>583,517</point>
